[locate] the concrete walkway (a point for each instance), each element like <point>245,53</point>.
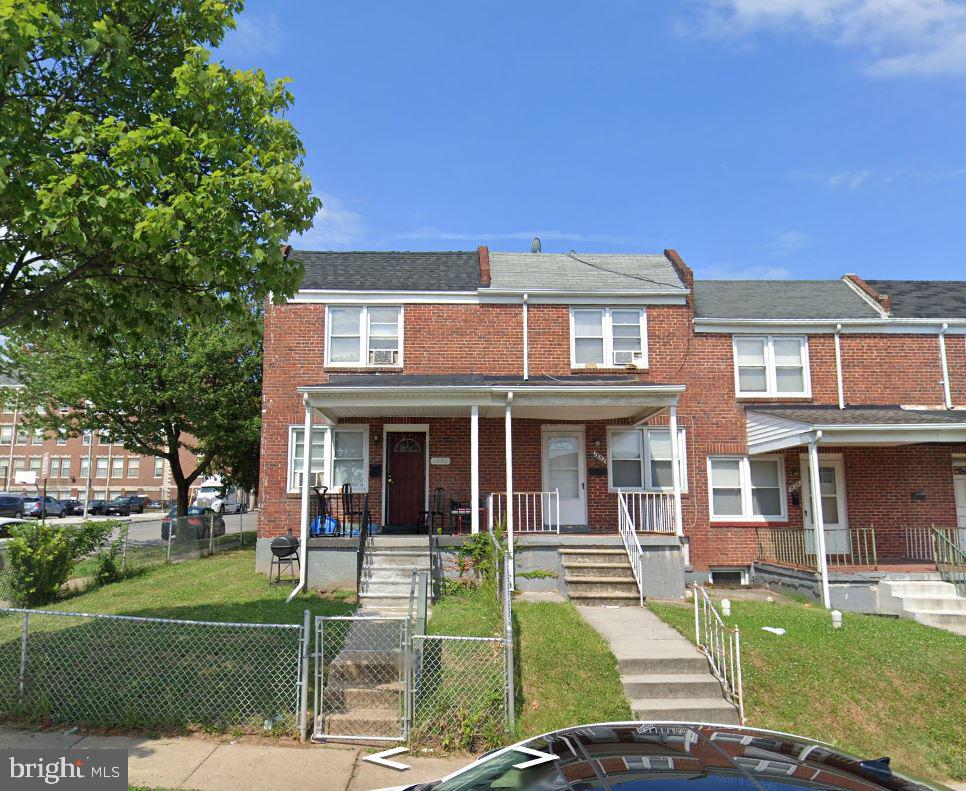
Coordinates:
<point>209,765</point>
<point>663,675</point>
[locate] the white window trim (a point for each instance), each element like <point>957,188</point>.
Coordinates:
<point>329,461</point>
<point>137,463</point>
<point>158,469</point>
<point>744,479</point>
<point>646,460</point>
<point>771,390</point>
<point>97,465</point>
<point>364,339</point>
<point>608,330</point>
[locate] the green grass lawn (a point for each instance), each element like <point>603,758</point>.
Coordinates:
<point>878,686</point>
<point>565,672</point>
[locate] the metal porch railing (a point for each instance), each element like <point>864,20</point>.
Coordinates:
<point>950,560</point>
<point>533,512</point>
<point>790,546</point>
<point>628,533</point>
<point>651,512</point>
<point>721,645</point>
<point>919,541</point>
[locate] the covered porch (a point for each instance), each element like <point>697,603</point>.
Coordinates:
<point>891,495</point>
<point>445,454</point>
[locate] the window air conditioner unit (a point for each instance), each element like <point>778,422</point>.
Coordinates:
<point>628,358</point>
<point>382,356</point>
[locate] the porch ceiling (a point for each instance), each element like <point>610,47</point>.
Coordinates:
<point>774,428</point>
<point>567,398</point>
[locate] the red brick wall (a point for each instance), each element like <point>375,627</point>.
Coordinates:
<point>878,369</point>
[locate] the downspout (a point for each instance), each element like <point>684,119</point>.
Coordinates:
<point>508,429</point>
<point>838,365</point>
<point>818,521</point>
<point>947,395</point>
<point>526,339</point>
<point>306,467</point>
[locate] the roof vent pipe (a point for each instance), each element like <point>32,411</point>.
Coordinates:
<point>535,246</point>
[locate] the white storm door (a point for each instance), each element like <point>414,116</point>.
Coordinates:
<point>565,469</point>
<point>959,483</point>
<point>836,522</point>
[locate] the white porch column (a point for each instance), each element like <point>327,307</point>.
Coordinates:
<point>818,521</point>
<point>304,519</point>
<point>474,468</point>
<point>508,428</point>
<point>675,470</point>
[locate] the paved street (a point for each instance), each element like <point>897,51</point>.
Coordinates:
<point>146,528</point>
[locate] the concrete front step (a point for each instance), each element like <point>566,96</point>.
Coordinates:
<point>579,586</point>
<point>407,559</point>
<point>658,686</point>
<point>715,710</point>
<point>608,569</point>
<point>362,722</point>
<point>591,555</point>
<point>373,587</point>
<point>933,603</point>
<point>383,696</point>
<point>380,601</point>
<point>950,621</point>
<point>362,668</point>
<point>903,588</point>
<point>606,599</point>
<point>685,663</point>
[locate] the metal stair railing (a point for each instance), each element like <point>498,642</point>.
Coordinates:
<point>950,560</point>
<point>632,544</point>
<point>722,647</point>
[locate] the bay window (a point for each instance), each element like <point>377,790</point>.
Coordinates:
<point>608,337</point>
<point>640,458</point>
<point>746,488</point>
<point>771,365</point>
<point>364,335</point>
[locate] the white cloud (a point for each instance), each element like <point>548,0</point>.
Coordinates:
<point>253,35</point>
<point>892,37</point>
<point>788,242</point>
<point>863,178</point>
<point>743,272</point>
<point>336,227</point>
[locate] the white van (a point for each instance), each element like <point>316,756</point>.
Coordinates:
<point>222,499</point>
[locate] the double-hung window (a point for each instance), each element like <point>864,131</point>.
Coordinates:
<point>38,437</point>
<point>117,467</point>
<point>346,448</point>
<point>84,467</point>
<point>747,488</point>
<point>771,365</point>
<point>365,335</point>
<point>158,468</point>
<point>296,455</point>
<point>100,467</point>
<point>6,435</point>
<point>640,458</point>
<point>133,467</point>
<point>608,337</point>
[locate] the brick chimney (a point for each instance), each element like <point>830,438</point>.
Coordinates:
<point>683,270</point>
<point>484,252</point>
<point>286,251</point>
<point>881,299</point>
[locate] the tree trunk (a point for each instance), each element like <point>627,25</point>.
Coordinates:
<point>183,487</point>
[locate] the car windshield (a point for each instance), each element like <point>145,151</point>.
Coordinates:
<point>210,490</point>
<point>632,756</point>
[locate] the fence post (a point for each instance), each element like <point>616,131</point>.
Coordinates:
<point>211,534</point>
<point>740,690</point>
<point>508,649</point>
<point>124,550</point>
<point>697,628</point>
<point>304,677</point>
<point>171,524</point>
<point>23,657</point>
<point>241,527</point>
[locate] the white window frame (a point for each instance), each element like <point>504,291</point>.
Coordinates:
<point>158,467</point>
<point>136,461</point>
<point>329,450</point>
<point>646,460</point>
<point>86,438</point>
<point>608,336</point>
<point>84,470</point>
<point>6,434</point>
<point>744,479</point>
<point>363,359</point>
<point>771,385</point>
<point>37,438</point>
<point>97,467</point>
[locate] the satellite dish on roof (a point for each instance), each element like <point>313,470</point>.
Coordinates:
<point>535,245</point>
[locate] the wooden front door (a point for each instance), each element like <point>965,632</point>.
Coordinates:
<point>405,477</point>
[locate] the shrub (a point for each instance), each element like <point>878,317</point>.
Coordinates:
<point>108,569</point>
<point>87,537</point>
<point>41,558</point>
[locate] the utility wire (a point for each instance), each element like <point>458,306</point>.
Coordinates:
<point>643,279</point>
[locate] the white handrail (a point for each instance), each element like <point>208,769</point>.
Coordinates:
<point>722,647</point>
<point>534,512</point>
<point>652,512</point>
<point>625,526</point>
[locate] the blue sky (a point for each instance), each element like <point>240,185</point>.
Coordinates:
<point>759,138</point>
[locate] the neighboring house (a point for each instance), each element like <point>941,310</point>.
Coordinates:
<point>113,469</point>
<point>412,367</point>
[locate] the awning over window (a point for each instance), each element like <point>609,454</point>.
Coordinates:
<point>601,397</point>
<point>772,428</point>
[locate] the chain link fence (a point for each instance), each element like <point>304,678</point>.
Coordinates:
<point>362,677</point>
<point>115,670</point>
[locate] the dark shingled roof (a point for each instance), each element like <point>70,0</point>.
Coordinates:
<point>864,415</point>
<point>779,299</point>
<point>924,299</point>
<point>390,271</point>
<point>473,380</point>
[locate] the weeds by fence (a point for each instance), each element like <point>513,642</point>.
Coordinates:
<point>148,672</point>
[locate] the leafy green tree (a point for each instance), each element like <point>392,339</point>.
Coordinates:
<point>135,173</point>
<point>193,388</point>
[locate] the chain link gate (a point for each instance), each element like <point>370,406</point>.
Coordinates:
<point>362,667</point>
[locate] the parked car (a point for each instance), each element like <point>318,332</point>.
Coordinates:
<point>119,506</point>
<point>197,519</point>
<point>73,507</point>
<point>221,498</point>
<point>135,503</point>
<point>96,507</point>
<point>43,506</point>
<point>12,505</point>
<point>640,756</point>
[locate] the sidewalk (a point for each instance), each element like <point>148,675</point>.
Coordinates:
<point>208,765</point>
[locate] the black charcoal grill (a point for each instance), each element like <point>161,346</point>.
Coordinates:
<point>285,553</point>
